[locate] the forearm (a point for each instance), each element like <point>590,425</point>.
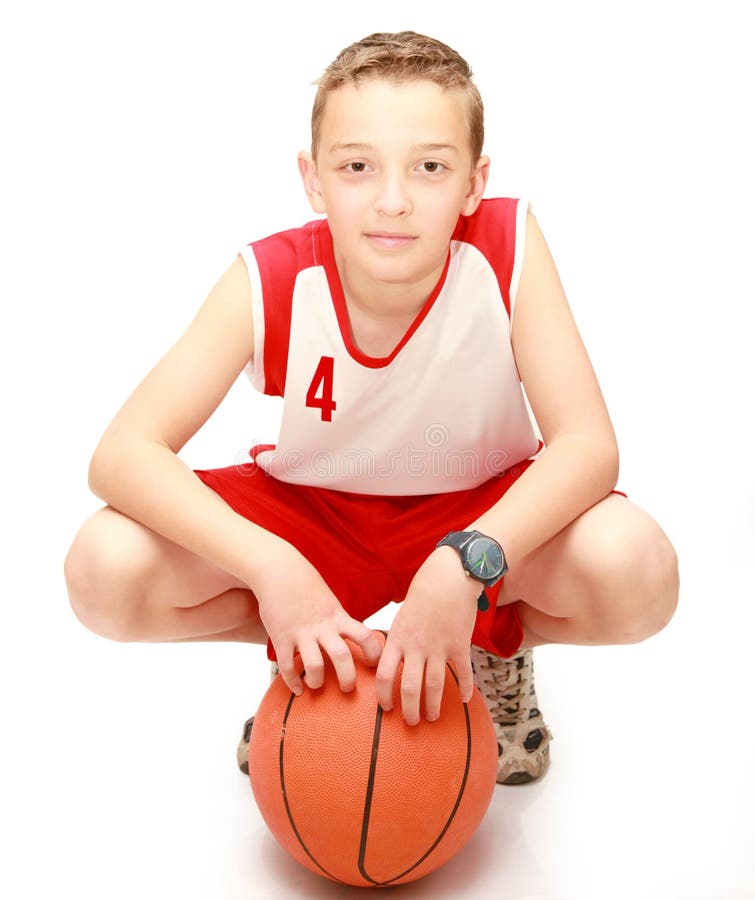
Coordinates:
<point>570,475</point>
<point>146,481</point>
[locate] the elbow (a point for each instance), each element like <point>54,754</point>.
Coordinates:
<point>95,474</point>
<point>116,455</point>
<point>101,466</point>
<point>604,457</point>
<point>612,463</point>
<point>601,455</point>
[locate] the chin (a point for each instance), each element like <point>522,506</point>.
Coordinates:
<point>398,274</point>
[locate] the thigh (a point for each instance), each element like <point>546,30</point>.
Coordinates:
<point>112,547</point>
<point>609,537</point>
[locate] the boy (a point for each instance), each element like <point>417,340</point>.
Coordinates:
<point>397,329</point>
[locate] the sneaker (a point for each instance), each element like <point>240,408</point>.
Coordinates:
<point>509,691</point>
<point>242,751</point>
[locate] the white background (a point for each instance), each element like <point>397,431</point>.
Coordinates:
<point>144,144</point>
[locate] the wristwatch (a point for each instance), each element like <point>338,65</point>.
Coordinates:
<point>481,557</point>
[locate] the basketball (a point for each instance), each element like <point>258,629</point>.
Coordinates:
<point>356,794</point>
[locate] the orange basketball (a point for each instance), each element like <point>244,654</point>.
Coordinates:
<point>356,794</point>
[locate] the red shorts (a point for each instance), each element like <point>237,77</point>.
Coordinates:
<point>368,547</point>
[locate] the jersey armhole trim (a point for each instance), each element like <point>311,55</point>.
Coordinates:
<point>522,208</point>
<point>255,368</point>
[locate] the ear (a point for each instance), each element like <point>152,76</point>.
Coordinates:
<point>477,182</point>
<point>311,181</point>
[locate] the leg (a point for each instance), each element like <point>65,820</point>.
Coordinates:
<point>128,583</point>
<point>610,577</point>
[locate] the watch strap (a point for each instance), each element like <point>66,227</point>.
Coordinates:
<point>457,540</point>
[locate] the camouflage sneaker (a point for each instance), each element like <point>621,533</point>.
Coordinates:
<point>242,751</point>
<point>509,691</point>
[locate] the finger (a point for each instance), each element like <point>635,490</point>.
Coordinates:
<point>411,688</point>
<point>385,676</point>
<point>343,662</point>
<point>463,666</point>
<point>287,669</point>
<point>435,680</point>
<point>314,668</point>
<point>367,639</point>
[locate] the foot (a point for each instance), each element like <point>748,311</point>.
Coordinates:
<point>509,691</point>
<point>242,751</point>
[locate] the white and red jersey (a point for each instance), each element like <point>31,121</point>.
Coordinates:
<point>444,412</point>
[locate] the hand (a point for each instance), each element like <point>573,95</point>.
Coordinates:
<point>434,625</point>
<point>301,613</point>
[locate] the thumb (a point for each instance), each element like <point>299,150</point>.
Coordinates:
<point>371,642</point>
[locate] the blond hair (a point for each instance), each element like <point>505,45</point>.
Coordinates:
<point>404,56</point>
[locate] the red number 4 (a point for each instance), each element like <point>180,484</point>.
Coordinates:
<point>322,381</point>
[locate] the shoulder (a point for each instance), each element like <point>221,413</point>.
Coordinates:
<point>292,249</point>
<point>274,264</point>
<point>494,221</point>
<point>497,231</point>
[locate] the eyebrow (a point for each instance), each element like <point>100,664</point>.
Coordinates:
<point>338,147</point>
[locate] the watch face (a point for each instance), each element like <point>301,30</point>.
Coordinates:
<point>484,558</point>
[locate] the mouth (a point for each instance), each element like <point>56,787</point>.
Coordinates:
<point>389,240</point>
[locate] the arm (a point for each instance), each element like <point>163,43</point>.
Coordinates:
<point>580,463</point>
<point>578,468</point>
<point>136,470</point>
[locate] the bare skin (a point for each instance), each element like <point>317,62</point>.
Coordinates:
<point>565,591</point>
<point>394,172</point>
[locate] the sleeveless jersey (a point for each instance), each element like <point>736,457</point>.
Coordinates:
<point>444,412</point>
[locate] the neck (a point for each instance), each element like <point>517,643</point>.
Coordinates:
<point>383,299</point>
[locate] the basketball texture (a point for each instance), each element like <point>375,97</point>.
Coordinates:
<point>358,796</point>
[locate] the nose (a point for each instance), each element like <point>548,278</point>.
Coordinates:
<point>393,198</point>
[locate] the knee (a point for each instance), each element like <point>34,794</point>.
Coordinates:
<point>640,589</point>
<point>103,575</point>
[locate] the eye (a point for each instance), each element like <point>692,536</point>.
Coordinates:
<point>432,167</point>
<point>356,167</point>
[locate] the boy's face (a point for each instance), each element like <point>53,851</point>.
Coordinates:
<point>394,170</point>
